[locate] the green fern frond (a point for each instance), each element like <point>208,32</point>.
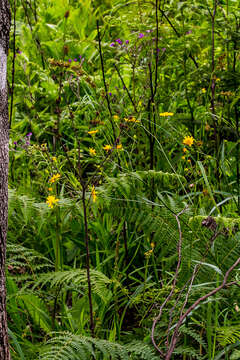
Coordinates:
<point>194,335</point>
<point>75,280</point>
<point>191,352</point>
<point>140,350</point>
<point>228,334</point>
<point>68,346</point>
<point>20,257</point>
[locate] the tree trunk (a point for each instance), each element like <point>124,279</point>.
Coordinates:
<point>4,39</point>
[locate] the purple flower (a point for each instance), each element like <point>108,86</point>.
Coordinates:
<point>80,56</point>
<point>141,35</point>
<point>163,49</point>
<point>188,32</point>
<point>27,143</point>
<point>75,59</point>
<point>29,134</point>
<point>112,44</point>
<point>158,50</point>
<point>127,42</point>
<point>70,60</point>
<point>15,142</point>
<point>119,41</point>
<point>19,51</point>
<point>110,94</point>
<point>149,31</point>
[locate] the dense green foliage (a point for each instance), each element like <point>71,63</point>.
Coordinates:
<point>124,179</point>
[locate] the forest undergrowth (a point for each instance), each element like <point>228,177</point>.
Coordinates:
<point>124,180</point>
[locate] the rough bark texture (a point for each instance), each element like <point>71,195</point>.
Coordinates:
<point>4,39</point>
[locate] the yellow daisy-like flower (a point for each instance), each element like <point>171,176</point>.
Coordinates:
<point>166,114</point>
<point>203,90</point>
<point>50,189</point>
<point>94,194</point>
<point>119,147</point>
<point>115,117</point>
<point>54,178</point>
<point>107,147</point>
<point>92,132</point>
<point>188,140</point>
<point>92,152</point>
<point>132,119</point>
<point>51,200</point>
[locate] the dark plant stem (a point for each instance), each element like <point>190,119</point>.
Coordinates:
<point>104,81</point>
<point>86,237</point>
<point>213,85</point>
<point>156,48</point>
<point>126,249</point>
<point>237,124</point>
<point>178,35</point>
<point>129,95</point>
<point>13,63</point>
<point>31,28</point>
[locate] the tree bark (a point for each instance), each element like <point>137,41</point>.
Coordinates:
<point>5,19</point>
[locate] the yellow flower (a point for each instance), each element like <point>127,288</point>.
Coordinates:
<point>51,200</point>
<point>188,140</point>
<point>183,157</point>
<point>107,147</point>
<point>148,253</point>
<point>203,90</point>
<point>94,194</point>
<point>50,189</point>
<point>217,79</point>
<point>54,158</point>
<point>54,178</point>
<point>115,117</point>
<point>92,132</point>
<point>92,152</point>
<point>119,147</point>
<point>132,119</point>
<point>166,114</point>
<point>184,149</point>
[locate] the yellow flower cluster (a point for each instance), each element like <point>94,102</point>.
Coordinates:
<point>188,140</point>
<point>149,252</point>
<point>107,147</point>
<point>92,152</point>
<point>131,119</point>
<point>166,114</point>
<point>54,178</point>
<point>51,200</point>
